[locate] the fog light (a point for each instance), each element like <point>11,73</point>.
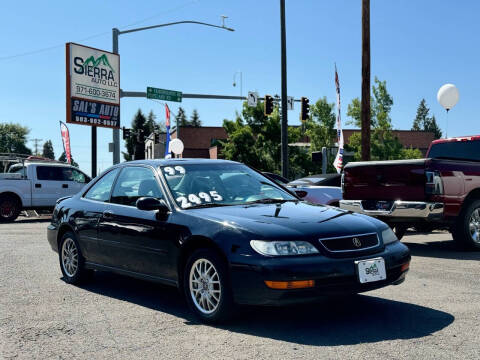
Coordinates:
<point>405,267</point>
<point>286,285</point>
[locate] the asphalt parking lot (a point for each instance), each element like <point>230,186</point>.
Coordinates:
<point>435,314</point>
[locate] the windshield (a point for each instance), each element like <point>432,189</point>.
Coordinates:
<point>202,185</point>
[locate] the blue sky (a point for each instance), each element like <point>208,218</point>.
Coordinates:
<point>416,46</point>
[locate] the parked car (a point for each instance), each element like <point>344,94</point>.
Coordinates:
<point>36,185</point>
<point>223,233</point>
<point>439,192</point>
<point>319,189</point>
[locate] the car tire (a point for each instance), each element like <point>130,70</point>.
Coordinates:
<point>400,231</point>
<point>466,230</point>
<point>72,262</point>
<point>10,208</point>
<point>207,287</point>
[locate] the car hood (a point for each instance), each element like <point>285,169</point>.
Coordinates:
<point>290,219</point>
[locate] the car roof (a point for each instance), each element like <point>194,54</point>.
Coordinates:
<point>458,138</point>
<point>178,161</point>
<point>48,163</point>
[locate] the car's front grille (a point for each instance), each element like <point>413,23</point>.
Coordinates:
<point>350,243</point>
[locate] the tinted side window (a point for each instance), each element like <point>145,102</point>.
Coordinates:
<point>462,150</point>
<point>101,190</point>
<point>54,173</point>
<point>134,183</point>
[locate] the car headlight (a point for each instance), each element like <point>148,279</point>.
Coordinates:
<point>274,248</point>
<point>388,236</point>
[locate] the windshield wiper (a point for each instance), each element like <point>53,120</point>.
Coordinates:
<point>269,201</point>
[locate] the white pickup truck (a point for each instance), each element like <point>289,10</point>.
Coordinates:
<point>37,186</point>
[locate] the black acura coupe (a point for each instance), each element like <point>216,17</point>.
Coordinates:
<point>223,233</point>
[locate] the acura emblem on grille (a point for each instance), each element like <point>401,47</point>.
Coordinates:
<point>356,241</point>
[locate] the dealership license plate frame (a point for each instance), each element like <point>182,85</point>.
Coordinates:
<point>364,277</point>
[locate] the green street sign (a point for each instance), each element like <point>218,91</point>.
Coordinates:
<point>162,94</point>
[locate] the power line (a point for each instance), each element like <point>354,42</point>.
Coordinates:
<point>32,52</point>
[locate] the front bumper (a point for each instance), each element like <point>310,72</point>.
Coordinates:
<point>429,211</point>
<point>332,276</point>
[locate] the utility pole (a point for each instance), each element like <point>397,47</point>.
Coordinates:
<point>366,121</point>
<point>116,132</point>
<point>284,129</point>
<point>36,141</point>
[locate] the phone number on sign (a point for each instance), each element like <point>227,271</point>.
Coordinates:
<point>88,90</point>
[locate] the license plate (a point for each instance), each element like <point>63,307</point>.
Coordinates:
<point>371,270</point>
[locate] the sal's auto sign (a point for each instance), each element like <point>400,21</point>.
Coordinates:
<point>93,86</point>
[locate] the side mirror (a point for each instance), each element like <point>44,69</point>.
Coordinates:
<point>301,193</point>
<point>150,203</point>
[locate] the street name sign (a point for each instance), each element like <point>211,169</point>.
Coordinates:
<point>93,86</point>
<point>252,98</point>
<point>162,94</point>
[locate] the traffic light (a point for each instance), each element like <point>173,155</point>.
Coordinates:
<point>268,105</point>
<point>304,108</point>
<point>126,133</point>
<point>157,137</point>
<point>139,135</point>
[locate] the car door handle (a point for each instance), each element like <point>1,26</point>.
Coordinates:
<point>38,186</point>
<point>65,186</point>
<point>107,214</point>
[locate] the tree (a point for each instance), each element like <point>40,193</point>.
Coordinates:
<point>195,119</point>
<point>48,150</point>
<point>320,127</point>
<point>13,139</point>
<point>384,145</point>
<point>254,139</point>
<point>423,122</point>
<point>63,158</point>
<point>181,118</point>
<point>140,129</point>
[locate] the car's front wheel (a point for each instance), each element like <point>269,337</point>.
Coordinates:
<point>206,286</point>
<point>72,262</point>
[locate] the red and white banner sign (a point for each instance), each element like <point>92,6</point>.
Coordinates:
<point>66,142</point>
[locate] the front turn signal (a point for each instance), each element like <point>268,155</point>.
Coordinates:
<point>287,285</point>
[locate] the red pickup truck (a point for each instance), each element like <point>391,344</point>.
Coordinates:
<point>441,191</point>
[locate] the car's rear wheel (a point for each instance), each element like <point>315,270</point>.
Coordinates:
<point>206,286</point>
<point>10,208</point>
<point>466,231</point>
<point>72,262</point>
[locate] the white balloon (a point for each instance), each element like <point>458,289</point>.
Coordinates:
<point>176,146</point>
<point>448,96</point>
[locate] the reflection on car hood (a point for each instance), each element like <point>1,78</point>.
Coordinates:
<point>290,219</point>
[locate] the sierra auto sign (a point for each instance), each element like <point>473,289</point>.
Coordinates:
<point>93,86</point>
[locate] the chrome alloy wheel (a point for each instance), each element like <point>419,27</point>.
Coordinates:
<point>69,257</point>
<point>474,225</point>
<point>205,287</point>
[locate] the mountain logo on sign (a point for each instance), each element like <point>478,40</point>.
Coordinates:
<point>102,60</point>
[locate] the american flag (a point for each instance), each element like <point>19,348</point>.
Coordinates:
<point>168,154</point>
<point>338,163</point>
